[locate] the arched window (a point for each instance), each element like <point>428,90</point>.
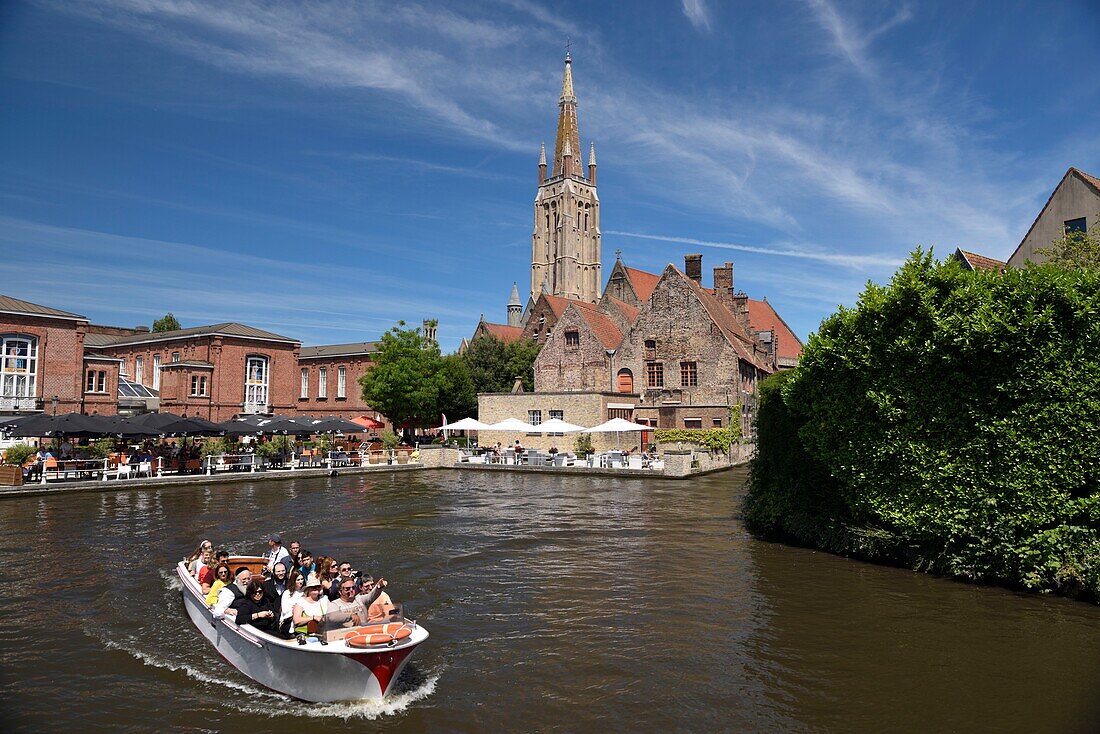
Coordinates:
<point>255,384</point>
<point>626,380</point>
<point>18,365</point>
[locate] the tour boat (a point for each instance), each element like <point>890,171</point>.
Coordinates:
<point>363,665</point>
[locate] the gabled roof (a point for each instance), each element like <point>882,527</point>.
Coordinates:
<point>642,282</point>
<point>975,261</point>
<point>338,350</point>
<point>16,306</point>
<point>629,312</point>
<point>1092,181</point>
<point>735,333</point>
<point>229,328</point>
<point>602,326</point>
<point>505,333</point>
<point>558,304</point>
<point>765,318</point>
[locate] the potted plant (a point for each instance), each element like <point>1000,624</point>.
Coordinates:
<point>389,443</point>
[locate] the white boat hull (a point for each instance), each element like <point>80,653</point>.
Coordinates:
<point>311,672</point>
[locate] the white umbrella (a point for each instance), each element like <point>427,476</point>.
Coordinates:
<point>466,424</point>
<point>617,425</point>
<point>557,425</point>
<point>514,425</point>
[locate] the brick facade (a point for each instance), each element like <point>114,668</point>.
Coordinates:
<point>59,366</point>
<point>348,406</point>
<point>575,355</point>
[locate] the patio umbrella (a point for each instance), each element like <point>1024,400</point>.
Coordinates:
<point>618,426</point>
<point>466,424</point>
<point>239,427</point>
<point>129,428</point>
<point>557,425</point>
<point>369,423</point>
<point>334,424</point>
<point>73,425</point>
<point>513,425</point>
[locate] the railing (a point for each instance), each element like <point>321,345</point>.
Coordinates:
<point>83,468</point>
<point>217,462</point>
<point>15,402</point>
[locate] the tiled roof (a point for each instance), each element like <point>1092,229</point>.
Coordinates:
<point>603,327</point>
<point>338,350</point>
<point>764,318</point>
<point>980,262</point>
<point>14,305</point>
<point>505,333</point>
<point>1088,178</point>
<point>558,304</point>
<point>629,312</point>
<point>642,282</point>
<point>229,328</point>
<point>99,340</point>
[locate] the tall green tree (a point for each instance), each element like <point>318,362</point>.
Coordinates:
<point>494,365</point>
<point>1075,249</point>
<point>412,383</point>
<point>168,323</point>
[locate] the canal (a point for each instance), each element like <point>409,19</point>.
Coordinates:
<point>554,602</point>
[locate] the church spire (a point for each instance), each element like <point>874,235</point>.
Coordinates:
<point>592,164</point>
<point>567,120</point>
<point>542,163</point>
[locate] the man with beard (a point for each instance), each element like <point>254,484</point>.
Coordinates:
<point>230,595</point>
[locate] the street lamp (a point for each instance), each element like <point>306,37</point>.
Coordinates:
<point>53,402</point>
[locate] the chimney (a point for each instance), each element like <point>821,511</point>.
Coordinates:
<point>723,284</point>
<point>693,267</point>
<point>739,305</point>
<point>517,386</point>
<point>141,329</point>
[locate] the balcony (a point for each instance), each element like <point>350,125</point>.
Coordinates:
<point>255,409</point>
<point>14,404</point>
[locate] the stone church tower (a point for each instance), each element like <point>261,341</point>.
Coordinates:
<point>565,246</point>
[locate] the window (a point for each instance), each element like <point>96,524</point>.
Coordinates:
<point>139,367</point>
<point>559,415</point>
<point>341,381</point>
<point>322,382</point>
<point>572,338</point>
<point>175,356</point>
<point>305,383</point>
<point>716,422</point>
<point>650,349</point>
<point>19,366</point>
<point>198,386</point>
<point>96,382</point>
<point>693,422</point>
<point>255,385</point>
<point>1075,225</point>
<point>623,413</point>
<point>534,417</point>
<point>689,375</point>
<point>156,371</point>
<point>655,374</point>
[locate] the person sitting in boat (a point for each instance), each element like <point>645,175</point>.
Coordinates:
<point>327,570</point>
<point>195,559</point>
<point>205,576</point>
<point>306,566</point>
<point>276,585</point>
<point>256,609</point>
<point>295,554</point>
<point>223,575</point>
<point>277,552</point>
<point>311,609</point>
<point>352,608</point>
<point>382,609</point>
<point>221,556</point>
<point>345,573</point>
<point>229,594</point>
<point>295,583</point>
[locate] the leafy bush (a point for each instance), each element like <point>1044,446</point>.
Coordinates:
<point>582,444</point>
<point>18,453</point>
<point>390,440</point>
<point>213,447</point>
<point>101,448</point>
<point>712,439</point>
<point>949,422</point>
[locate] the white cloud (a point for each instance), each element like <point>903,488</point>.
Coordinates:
<point>696,11</point>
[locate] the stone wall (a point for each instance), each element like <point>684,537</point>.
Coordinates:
<point>581,368</point>
<point>581,408</point>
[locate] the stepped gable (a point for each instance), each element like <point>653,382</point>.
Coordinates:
<point>762,317</point>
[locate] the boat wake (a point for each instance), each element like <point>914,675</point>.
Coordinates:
<point>410,688</point>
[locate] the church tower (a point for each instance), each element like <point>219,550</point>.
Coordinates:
<point>565,246</point>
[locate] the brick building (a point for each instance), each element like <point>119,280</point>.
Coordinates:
<point>328,380</point>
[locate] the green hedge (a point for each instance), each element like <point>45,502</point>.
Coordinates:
<point>713,439</point>
<point>950,422</point>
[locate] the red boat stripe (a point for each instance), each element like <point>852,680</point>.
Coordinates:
<point>383,663</point>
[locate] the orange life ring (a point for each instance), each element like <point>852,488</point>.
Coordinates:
<point>385,634</point>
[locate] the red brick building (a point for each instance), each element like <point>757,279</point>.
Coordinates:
<point>328,380</point>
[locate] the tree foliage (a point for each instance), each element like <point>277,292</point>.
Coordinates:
<point>494,365</point>
<point>1075,249</point>
<point>412,383</point>
<point>950,421</point>
<point>167,323</point>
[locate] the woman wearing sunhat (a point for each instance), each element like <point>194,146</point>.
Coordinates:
<point>310,609</point>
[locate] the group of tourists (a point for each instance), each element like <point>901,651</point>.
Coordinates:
<point>295,596</point>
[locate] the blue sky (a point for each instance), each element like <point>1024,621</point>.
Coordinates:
<point>322,170</point>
